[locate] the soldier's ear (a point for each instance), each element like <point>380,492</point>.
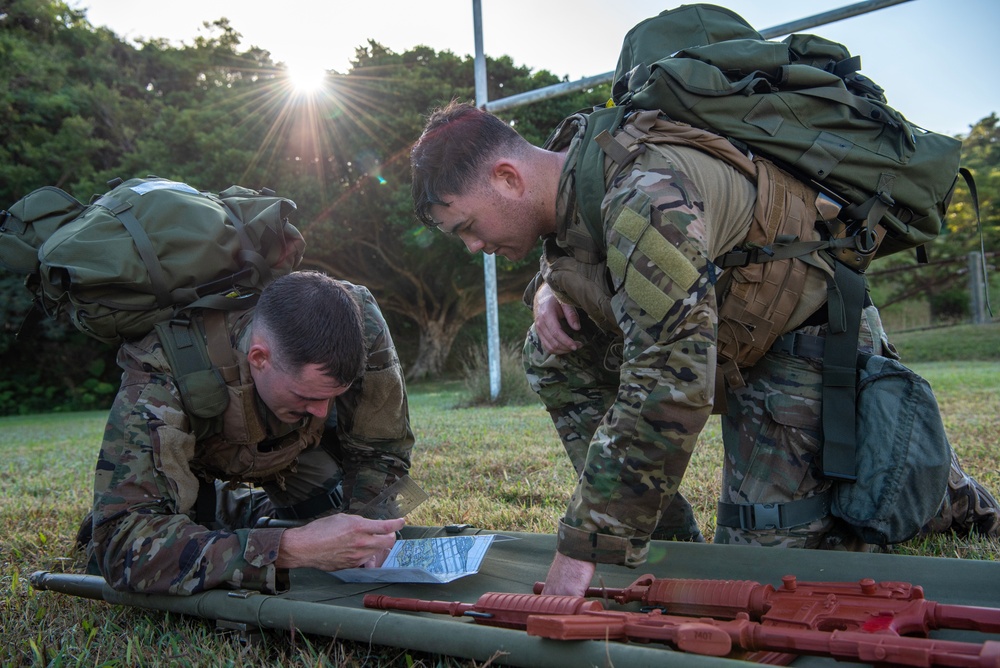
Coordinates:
<point>259,355</point>
<point>507,178</point>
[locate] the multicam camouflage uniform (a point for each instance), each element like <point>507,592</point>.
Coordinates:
<point>630,403</point>
<point>145,534</point>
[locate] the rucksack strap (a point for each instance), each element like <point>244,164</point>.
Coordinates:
<point>845,301</point>
<point>122,211</point>
<point>249,257</point>
<point>590,170</point>
<point>201,380</point>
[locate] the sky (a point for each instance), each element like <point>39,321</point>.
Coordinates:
<point>936,59</point>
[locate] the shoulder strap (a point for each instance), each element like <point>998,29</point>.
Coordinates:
<point>590,187</point>
<point>122,211</point>
<point>201,359</point>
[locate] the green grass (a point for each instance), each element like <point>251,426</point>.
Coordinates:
<point>960,343</point>
<point>497,468</point>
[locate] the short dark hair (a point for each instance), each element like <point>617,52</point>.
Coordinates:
<point>309,318</point>
<point>449,157</point>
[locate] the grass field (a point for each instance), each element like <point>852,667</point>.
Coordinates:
<point>496,468</point>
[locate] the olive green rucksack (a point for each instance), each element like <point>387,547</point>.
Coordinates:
<point>153,253</point>
<point>801,103</point>
<point>146,250</point>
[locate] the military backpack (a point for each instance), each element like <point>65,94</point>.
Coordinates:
<point>154,253</point>
<point>803,104</point>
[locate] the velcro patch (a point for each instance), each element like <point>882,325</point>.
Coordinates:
<point>648,249</point>
<point>669,260</point>
<point>631,223</point>
<point>647,295</point>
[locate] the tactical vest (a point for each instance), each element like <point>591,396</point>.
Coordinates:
<point>232,441</point>
<point>760,298</point>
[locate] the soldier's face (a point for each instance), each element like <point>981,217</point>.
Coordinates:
<point>491,221</point>
<point>294,396</point>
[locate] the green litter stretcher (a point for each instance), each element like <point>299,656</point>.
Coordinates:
<point>319,603</point>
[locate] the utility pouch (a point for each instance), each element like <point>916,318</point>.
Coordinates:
<point>903,455</point>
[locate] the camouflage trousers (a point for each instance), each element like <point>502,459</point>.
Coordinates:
<point>577,390</point>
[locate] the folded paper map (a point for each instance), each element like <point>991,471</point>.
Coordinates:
<point>425,560</point>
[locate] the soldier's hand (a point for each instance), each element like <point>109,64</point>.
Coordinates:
<point>550,314</point>
<point>338,541</point>
<point>568,576</point>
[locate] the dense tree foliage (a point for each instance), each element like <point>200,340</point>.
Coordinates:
<point>79,106</point>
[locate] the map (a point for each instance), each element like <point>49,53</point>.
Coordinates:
<point>425,560</point>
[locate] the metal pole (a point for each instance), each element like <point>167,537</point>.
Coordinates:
<point>489,261</point>
<point>777,31</point>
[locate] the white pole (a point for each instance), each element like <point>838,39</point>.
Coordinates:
<point>489,261</point>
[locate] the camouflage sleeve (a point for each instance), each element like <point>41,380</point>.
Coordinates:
<point>145,539</point>
<point>664,301</point>
<point>373,418</point>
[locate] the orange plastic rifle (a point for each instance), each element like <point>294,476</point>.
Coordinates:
<point>872,607</point>
<point>578,618</point>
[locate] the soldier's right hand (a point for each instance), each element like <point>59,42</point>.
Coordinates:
<point>337,541</point>
<point>550,314</point>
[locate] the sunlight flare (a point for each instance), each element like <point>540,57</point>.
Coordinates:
<point>306,77</point>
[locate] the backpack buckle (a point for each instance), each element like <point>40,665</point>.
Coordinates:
<point>742,257</point>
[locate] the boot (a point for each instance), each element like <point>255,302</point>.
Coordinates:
<point>967,508</point>
<point>85,532</point>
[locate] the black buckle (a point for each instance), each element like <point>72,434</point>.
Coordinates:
<point>758,516</point>
<point>741,257</point>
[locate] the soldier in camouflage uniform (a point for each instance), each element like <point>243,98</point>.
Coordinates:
<point>317,421</point>
<point>632,383</point>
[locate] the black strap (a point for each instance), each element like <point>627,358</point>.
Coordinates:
<point>204,507</point>
<point>973,191</point>
<point>800,345</point>
<point>845,301</point>
<point>757,516</point>
<point>328,500</point>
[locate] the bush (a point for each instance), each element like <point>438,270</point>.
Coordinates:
<point>514,388</point>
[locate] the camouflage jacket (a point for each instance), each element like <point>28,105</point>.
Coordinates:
<point>661,231</point>
<point>145,537</point>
